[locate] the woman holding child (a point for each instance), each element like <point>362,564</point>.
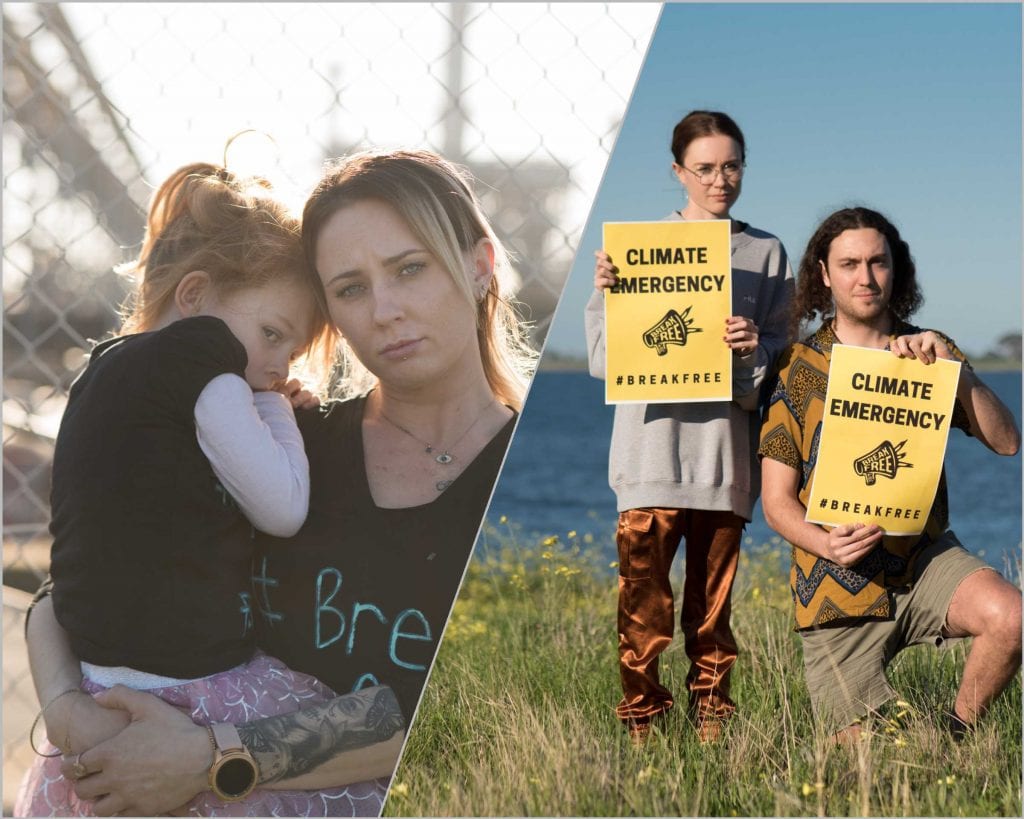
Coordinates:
<point>409,271</point>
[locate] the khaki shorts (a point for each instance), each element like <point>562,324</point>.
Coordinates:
<point>845,665</point>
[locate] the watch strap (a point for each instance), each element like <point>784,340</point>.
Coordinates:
<point>228,751</point>
<point>225,737</point>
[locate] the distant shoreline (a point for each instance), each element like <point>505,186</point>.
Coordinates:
<point>560,362</point>
<point>996,365</point>
<point>553,361</point>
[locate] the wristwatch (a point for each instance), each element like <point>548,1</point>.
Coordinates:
<point>233,773</point>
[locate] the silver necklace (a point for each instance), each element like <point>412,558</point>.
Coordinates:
<point>445,457</point>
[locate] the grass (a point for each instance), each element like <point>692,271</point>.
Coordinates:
<point>518,718</point>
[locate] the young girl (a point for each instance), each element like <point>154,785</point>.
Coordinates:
<point>176,442</point>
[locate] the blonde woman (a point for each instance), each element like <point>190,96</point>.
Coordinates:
<point>435,367</point>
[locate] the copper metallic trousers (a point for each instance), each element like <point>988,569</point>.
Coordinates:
<point>647,541</point>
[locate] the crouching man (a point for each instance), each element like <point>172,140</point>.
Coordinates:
<point>861,596</point>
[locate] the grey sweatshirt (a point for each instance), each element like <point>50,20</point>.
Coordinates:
<point>703,455</point>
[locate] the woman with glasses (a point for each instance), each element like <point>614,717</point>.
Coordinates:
<point>688,471</point>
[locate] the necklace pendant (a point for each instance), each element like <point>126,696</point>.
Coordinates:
<point>429,449</point>
<point>442,485</point>
<point>444,458</point>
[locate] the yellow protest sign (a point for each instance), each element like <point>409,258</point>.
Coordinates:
<point>883,439</point>
<point>665,319</point>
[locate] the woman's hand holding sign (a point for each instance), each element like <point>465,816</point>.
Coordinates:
<point>741,335</point>
<point>605,273</point>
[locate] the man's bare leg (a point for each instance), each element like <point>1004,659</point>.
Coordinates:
<point>987,608</point>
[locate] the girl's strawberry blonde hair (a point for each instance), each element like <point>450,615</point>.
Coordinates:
<point>203,217</point>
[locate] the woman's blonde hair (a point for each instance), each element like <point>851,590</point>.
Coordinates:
<point>203,217</point>
<point>436,199</point>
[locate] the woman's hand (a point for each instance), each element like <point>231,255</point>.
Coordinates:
<point>925,347</point>
<point>156,764</point>
<point>297,394</point>
<point>741,335</point>
<point>76,722</point>
<point>605,273</point>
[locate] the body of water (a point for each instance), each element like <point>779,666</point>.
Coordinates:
<point>555,479</point>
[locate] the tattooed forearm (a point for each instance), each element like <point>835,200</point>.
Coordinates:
<point>292,744</point>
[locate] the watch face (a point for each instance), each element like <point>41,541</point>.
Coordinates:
<point>235,776</point>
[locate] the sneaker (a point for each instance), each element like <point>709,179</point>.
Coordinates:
<point>710,716</point>
<point>639,732</point>
<point>709,729</point>
<point>958,729</point>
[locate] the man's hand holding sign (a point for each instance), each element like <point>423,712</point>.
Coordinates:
<point>883,440</point>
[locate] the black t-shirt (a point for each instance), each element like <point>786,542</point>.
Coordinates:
<point>151,558</point>
<point>361,594</point>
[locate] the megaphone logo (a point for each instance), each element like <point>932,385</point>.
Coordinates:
<point>672,329</point>
<point>885,459</point>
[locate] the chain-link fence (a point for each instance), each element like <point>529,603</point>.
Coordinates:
<point>101,101</point>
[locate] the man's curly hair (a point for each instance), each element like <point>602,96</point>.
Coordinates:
<point>813,297</point>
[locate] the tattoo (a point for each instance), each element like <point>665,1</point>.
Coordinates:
<point>292,744</point>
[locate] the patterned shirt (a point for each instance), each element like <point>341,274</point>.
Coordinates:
<point>825,593</point>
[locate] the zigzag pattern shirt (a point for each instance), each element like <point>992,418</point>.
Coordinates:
<point>825,593</point>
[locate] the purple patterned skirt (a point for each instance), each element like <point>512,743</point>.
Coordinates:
<point>262,687</point>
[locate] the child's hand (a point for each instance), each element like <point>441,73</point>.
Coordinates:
<point>300,397</point>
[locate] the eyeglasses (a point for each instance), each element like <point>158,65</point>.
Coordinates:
<point>730,171</point>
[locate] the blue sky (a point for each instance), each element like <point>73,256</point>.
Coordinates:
<point>912,109</point>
